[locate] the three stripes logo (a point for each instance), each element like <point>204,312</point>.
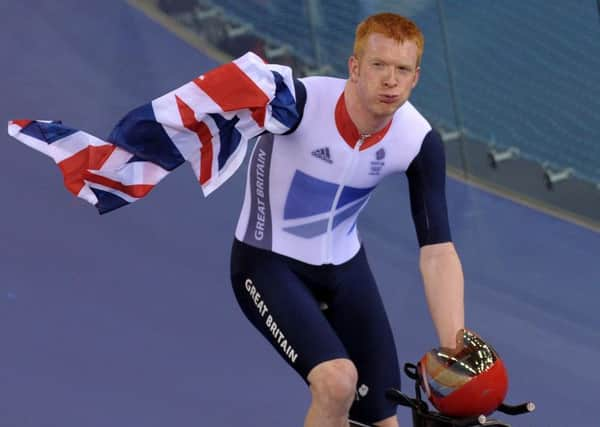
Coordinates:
<point>323,154</point>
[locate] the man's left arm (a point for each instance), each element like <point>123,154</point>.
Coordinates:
<point>438,260</point>
<point>444,288</point>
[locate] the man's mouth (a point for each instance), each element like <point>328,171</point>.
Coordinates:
<point>389,99</point>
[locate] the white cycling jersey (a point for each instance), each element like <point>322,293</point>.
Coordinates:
<point>305,190</point>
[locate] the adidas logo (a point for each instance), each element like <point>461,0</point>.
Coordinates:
<point>323,154</point>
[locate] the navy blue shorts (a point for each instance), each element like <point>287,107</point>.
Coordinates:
<point>311,314</point>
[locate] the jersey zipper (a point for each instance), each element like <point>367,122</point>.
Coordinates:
<point>350,165</point>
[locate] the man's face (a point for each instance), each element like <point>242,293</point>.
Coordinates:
<point>385,74</point>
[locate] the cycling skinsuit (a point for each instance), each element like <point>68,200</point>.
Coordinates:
<point>298,270</point>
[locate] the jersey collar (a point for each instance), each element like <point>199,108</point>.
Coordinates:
<point>348,129</point>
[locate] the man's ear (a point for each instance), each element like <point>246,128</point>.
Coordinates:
<point>353,68</point>
<point>417,75</point>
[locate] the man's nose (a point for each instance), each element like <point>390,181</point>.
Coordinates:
<point>390,78</point>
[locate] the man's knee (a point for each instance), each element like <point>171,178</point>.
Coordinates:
<point>334,382</point>
<point>388,422</point>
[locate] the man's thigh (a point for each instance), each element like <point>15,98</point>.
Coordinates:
<point>283,309</point>
<point>358,316</point>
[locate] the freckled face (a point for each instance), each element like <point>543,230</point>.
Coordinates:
<point>384,74</point>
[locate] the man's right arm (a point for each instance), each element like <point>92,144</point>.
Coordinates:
<point>207,122</point>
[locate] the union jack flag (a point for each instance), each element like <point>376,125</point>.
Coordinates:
<point>206,122</point>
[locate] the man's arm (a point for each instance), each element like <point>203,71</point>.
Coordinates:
<point>207,123</point>
<point>444,288</point>
<point>438,261</point>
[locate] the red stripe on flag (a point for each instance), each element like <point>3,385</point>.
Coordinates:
<point>21,123</point>
<point>73,168</point>
<point>258,114</point>
<point>135,190</point>
<point>232,90</point>
<point>199,128</point>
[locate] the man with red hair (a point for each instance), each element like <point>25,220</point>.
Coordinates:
<point>306,266</point>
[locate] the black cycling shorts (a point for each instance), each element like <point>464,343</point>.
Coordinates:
<point>311,314</point>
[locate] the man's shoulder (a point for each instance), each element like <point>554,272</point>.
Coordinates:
<point>409,116</point>
<point>409,111</point>
<point>323,83</point>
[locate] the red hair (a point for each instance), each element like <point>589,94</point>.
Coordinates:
<point>394,26</point>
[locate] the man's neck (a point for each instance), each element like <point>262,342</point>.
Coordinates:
<point>365,122</point>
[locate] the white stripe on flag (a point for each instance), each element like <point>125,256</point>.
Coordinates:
<point>167,114</point>
<point>255,68</point>
<point>216,146</point>
<point>273,125</point>
<point>247,125</point>
<point>122,195</point>
<point>232,165</point>
<point>72,144</point>
<point>13,129</point>
<point>135,173</point>
<point>116,160</point>
<point>87,194</point>
<point>286,73</point>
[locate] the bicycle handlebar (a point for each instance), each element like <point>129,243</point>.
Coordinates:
<point>521,408</point>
